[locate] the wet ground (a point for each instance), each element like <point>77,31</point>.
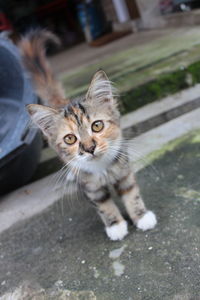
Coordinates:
<point>62,254</point>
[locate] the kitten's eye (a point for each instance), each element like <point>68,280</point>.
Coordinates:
<point>97,126</point>
<point>70,139</point>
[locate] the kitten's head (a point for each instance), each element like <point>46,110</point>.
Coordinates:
<point>86,132</point>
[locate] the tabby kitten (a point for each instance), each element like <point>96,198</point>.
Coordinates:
<point>86,134</point>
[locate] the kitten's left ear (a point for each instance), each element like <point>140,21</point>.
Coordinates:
<point>100,87</point>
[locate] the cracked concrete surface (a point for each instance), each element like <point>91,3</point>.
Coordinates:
<point>65,252</point>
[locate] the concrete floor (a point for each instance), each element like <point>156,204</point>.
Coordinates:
<point>67,256</point>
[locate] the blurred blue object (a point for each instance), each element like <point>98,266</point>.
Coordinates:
<point>92,19</point>
<point>20,145</point>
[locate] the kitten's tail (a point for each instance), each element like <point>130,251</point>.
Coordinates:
<point>32,47</point>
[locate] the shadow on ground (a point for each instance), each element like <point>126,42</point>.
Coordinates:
<point>72,252</point>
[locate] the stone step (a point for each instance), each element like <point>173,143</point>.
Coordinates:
<point>138,64</point>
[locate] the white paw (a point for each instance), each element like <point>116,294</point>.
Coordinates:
<point>117,231</point>
<point>148,221</point>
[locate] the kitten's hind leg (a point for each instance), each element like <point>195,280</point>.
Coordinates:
<point>129,191</point>
<point>115,226</point>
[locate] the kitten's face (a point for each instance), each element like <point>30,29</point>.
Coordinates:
<point>89,136</point>
<point>85,133</point>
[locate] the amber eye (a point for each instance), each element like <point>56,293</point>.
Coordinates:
<point>70,139</point>
<point>97,126</point>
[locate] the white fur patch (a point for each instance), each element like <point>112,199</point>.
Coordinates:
<point>148,221</point>
<point>117,231</point>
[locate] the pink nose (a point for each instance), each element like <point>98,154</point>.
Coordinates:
<point>90,149</point>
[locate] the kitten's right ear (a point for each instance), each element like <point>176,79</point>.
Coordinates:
<point>100,88</point>
<point>44,117</point>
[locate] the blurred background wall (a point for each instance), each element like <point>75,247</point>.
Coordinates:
<point>75,21</point>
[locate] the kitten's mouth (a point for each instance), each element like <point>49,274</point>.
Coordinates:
<point>92,157</point>
<point>95,156</point>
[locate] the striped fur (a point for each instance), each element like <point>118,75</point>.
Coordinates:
<point>107,164</point>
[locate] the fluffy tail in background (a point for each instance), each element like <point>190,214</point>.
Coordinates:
<point>32,48</point>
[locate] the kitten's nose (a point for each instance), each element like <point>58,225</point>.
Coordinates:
<point>90,148</point>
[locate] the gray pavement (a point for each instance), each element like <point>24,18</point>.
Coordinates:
<point>63,253</point>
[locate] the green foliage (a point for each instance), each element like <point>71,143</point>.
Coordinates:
<point>194,70</point>
<point>166,84</point>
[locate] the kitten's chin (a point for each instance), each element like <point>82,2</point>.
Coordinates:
<point>96,163</point>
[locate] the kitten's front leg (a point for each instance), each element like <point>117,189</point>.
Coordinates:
<point>129,191</point>
<point>115,226</point>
